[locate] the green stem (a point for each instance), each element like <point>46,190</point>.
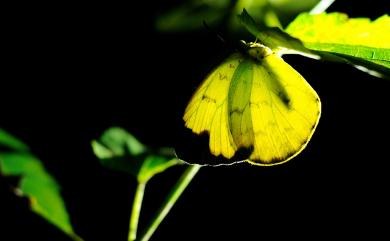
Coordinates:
<point>76,238</point>
<point>321,6</point>
<point>172,197</point>
<point>137,203</point>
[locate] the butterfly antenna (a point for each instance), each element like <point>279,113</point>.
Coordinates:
<point>236,46</point>
<point>214,32</point>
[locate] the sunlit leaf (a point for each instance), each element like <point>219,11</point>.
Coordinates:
<point>358,41</point>
<point>338,28</point>
<point>121,151</point>
<point>345,48</point>
<point>36,184</point>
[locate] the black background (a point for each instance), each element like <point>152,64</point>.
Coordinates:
<point>73,70</point>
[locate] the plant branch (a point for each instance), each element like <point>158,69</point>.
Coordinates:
<point>171,199</point>
<point>137,203</point>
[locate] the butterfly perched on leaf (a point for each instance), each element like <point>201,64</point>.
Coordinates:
<point>253,107</point>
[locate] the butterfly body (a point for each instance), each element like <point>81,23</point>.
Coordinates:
<point>255,102</point>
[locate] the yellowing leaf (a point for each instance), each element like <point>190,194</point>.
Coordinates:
<point>339,29</point>
<point>357,41</point>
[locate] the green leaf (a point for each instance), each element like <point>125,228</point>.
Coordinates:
<point>121,151</point>
<point>358,41</point>
<point>46,200</point>
<point>273,38</point>
<point>119,142</point>
<point>153,165</point>
<point>20,164</point>
<point>39,187</point>
<point>9,141</point>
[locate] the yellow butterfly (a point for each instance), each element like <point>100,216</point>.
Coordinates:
<point>255,102</point>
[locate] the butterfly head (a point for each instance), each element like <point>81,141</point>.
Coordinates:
<point>257,50</point>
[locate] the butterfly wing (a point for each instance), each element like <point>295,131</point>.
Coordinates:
<point>208,108</point>
<point>263,107</point>
<point>285,111</point>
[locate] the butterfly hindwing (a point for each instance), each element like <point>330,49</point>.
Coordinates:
<point>285,111</point>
